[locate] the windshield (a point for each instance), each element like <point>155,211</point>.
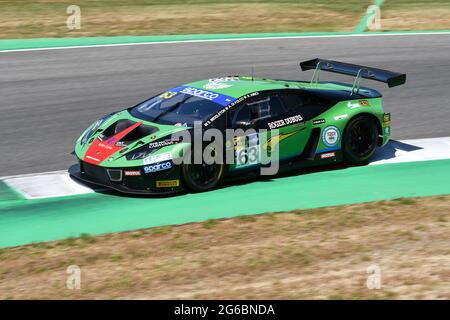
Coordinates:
<point>176,108</point>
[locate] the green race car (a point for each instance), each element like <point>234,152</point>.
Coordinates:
<point>194,136</point>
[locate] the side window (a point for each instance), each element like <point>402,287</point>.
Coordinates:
<point>292,102</point>
<point>308,106</point>
<point>255,109</point>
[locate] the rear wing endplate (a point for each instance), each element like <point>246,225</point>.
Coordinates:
<point>392,79</point>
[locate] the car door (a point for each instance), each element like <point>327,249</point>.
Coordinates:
<point>246,145</point>
<point>307,106</point>
<point>276,132</point>
<point>286,114</point>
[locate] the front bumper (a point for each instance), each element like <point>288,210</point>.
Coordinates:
<point>159,183</point>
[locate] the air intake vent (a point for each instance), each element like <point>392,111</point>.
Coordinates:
<point>136,134</point>
<point>115,175</point>
<point>311,146</point>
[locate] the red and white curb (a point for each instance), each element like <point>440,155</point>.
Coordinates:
<point>59,183</point>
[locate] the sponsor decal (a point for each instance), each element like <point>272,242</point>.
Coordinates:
<point>364,103</point>
<point>272,142</point>
<point>163,143</point>
<point>120,144</point>
<point>167,183</point>
<point>224,79</point>
<point>331,136</point>
<point>341,117</point>
<point>136,155</point>
<point>218,98</point>
<point>319,121</point>
<point>158,158</point>
<point>158,167</point>
<point>232,104</point>
<point>168,95</point>
<point>285,122</point>
<point>352,105</point>
<point>328,155</point>
<point>386,120</point>
<point>360,103</point>
<point>208,95</point>
<point>92,158</point>
<point>106,146</point>
<point>132,173</point>
<point>216,86</point>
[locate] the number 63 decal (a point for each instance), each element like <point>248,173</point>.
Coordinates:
<point>247,150</point>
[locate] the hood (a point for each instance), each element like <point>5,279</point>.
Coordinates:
<point>118,135</point>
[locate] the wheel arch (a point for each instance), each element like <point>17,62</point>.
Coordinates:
<point>377,121</point>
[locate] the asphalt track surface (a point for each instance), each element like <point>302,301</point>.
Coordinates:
<point>47,98</point>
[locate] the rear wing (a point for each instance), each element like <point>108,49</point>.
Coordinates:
<point>393,79</point>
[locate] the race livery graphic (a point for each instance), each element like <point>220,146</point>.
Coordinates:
<point>298,124</point>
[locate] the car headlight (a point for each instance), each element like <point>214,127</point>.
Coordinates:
<point>146,150</point>
<point>140,153</point>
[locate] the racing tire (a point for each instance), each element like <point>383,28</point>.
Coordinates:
<point>202,177</point>
<point>360,139</point>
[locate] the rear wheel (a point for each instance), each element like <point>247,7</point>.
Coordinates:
<point>360,139</point>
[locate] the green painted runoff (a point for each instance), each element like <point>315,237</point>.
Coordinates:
<point>27,221</point>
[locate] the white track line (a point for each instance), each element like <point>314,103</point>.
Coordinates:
<point>33,174</point>
<point>413,150</point>
<point>59,183</point>
<point>234,39</point>
<point>47,185</point>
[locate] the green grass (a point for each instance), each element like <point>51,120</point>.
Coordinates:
<point>68,242</point>
<point>117,257</point>
<point>44,18</point>
<point>49,5</point>
<point>210,223</point>
<point>415,4</point>
<point>47,18</point>
<point>405,201</point>
<point>87,238</point>
<point>415,15</point>
<point>307,256</point>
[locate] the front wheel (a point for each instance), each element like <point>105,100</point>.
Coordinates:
<point>360,139</point>
<point>202,177</point>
